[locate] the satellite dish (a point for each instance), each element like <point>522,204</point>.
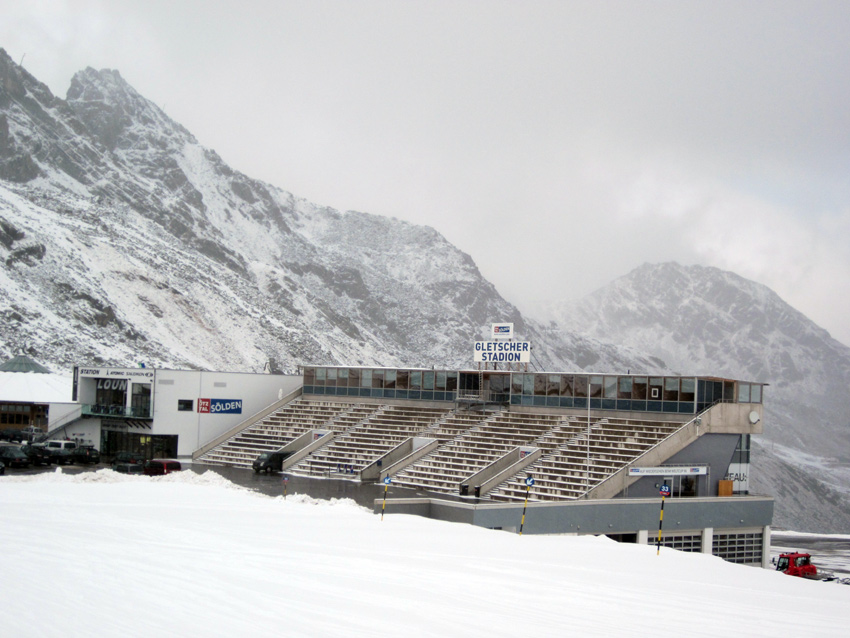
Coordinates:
<point>754,417</point>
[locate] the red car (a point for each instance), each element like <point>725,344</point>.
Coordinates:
<point>159,467</point>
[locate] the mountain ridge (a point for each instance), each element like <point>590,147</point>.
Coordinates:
<point>702,320</point>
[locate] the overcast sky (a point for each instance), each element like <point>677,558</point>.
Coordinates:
<point>561,144</point>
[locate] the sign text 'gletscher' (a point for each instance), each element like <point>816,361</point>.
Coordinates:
<point>502,351</point>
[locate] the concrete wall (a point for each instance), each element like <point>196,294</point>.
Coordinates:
<point>615,516</point>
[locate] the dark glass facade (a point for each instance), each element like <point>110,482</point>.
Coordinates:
<point>382,383</point>
<point>634,393</point>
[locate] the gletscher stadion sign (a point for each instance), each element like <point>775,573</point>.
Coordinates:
<point>502,351</point>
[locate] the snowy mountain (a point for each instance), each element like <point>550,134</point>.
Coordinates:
<point>123,240</point>
<point>707,321</point>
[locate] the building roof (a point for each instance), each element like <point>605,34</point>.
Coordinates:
<point>23,363</point>
<point>31,387</point>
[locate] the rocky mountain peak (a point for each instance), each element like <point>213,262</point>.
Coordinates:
<point>118,116</point>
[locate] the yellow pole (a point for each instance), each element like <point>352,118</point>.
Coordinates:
<point>384,504</point>
<point>660,523</point>
<point>524,505</point>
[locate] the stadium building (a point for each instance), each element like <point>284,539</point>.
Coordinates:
<point>529,452</point>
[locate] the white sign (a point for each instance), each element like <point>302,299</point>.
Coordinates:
<point>502,351</point>
<point>739,474</point>
<point>501,331</point>
<point>669,471</point>
<point>121,373</point>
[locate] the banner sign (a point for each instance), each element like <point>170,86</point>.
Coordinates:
<point>739,473</point>
<point>502,351</point>
<point>669,471</point>
<point>220,406</point>
<point>121,373</point>
<point>501,331</point>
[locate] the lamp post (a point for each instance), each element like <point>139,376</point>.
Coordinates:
<point>587,441</point>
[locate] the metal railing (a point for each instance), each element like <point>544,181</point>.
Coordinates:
<point>120,411</point>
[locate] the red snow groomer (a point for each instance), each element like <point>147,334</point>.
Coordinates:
<point>797,564</point>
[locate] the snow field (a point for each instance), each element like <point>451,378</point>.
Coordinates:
<point>100,554</point>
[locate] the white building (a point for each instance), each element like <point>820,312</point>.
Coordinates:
<point>31,396</point>
<point>164,413</point>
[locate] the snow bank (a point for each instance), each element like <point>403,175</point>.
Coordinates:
<point>100,553</point>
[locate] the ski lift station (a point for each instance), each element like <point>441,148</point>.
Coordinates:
<point>493,445</point>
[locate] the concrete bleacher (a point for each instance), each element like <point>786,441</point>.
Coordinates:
<point>369,440</point>
<point>285,425</point>
<point>588,456</point>
<point>485,443</point>
<point>575,455</point>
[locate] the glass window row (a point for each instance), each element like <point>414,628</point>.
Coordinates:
<point>382,378</point>
<point>615,392</point>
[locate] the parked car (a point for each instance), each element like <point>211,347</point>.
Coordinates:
<point>270,461</point>
<point>129,468</point>
<point>159,467</point>
<point>128,463</point>
<point>33,432</point>
<point>61,456</point>
<point>13,436</point>
<point>12,456</point>
<point>38,455</point>
<point>85,454</point>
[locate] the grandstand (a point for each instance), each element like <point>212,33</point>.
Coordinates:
<point>494,441</point>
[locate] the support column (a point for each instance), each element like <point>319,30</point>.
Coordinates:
<point>765,547</point>
<point>642,537</point>
<point>707,540</point>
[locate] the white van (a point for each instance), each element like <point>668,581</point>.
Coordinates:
<point>60,444</point>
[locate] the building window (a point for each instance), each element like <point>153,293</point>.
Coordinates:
<point>402,379</point>
<point>687,393</point>
<point>185,405</point>
<point>451,382</point>
<point>745,548</point>
<point>596,387</point>
<point>611,388</point>
<point>566,389</point>
<point>389,379</point>
<point>580,386</point>
<point>671,389</point>
<point>681,542</point>
<point>655,387</point>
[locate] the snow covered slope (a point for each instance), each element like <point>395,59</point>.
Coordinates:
<point>124,240</point>
<point>191,555</point>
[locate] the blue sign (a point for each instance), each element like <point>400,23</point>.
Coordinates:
<point>220,406</point>
<point>387,480</point>
<point>665,490</point>
<point>529,481</point>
